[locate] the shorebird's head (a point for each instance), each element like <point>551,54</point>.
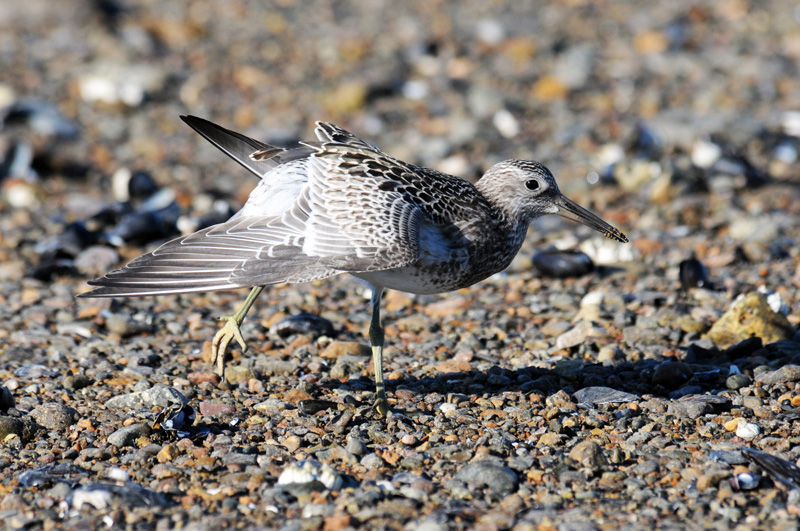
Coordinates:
<point>526,190</point>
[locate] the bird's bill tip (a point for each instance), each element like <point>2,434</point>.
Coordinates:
<point>571,210</point>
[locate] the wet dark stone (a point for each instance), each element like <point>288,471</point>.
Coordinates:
<point>309,407</point>
<point>145,226</point>
<point>693,274</point>
<point>671,375</point>
<point>744,348</point>
<point>111,214</point>
<point>76,237</point>
<point>141,185</point>
<point>9,426</point>
<point>47,270</point>
<point>42,117</point>
<point>698,354</point>
<point>303,323</point>
<point>562,264</point>
<point>6,399</point>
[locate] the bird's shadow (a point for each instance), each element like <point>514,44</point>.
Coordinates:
<point>696,371</point>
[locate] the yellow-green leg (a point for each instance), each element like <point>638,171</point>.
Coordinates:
<point>376,342</point>
<point>231,331</point>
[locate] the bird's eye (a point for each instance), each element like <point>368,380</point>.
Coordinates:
<point>532,184</point>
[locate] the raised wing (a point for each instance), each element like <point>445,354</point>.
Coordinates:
<point>348,216</point>
<point>258,157</point>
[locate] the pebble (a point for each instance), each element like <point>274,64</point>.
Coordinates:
<point>750,316</point>
<point>6,399</point>
<point>55,416</point>
<point>787,373</point>
<point>747,430</point>
<point>210,409</point>
<point>336,349</point>
<point>579,334</point>
<point>588,454</point>
<point>127,435</point>
<point>488,474</point>
<point>603,395</point>
<point>10,426</point>
<point>125,325</point>
<point>693,274</point>
<point>562,264</point>
<point>157,396</point>
<point>309,472</point>
<point>96,260</point>
<point>671,375</point>
<point>303,324</point>
<point>737,381</point>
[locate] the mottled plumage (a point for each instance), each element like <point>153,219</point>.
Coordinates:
<point>341,205</point>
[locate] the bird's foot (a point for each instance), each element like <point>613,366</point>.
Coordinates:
<point>381,406</point>
<point>219,345</point>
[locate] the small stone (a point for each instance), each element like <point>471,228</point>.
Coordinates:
<point>34,371</point>
<point>490,474</point>
<point>96,260</point>
<point>303,324</point>
<point>356,447</point>
<point>311,471</point>
<point>603,395</point>
<point>693,274</point>
<point>672,375</point>
<point>689,409</point>
<point>337,349</point>
<point>6,399</point>
<point>127,436</point>
<point>199,377</point>
<point>124,325</point>
<point>167,453</point>
<point>9,426</point>
<point>732,424</point>
<point>76,381</point>
<point>336,522</point>
<point>555,328</point>
<point>448,307</point>
<point>54,416</point>
<point>589,455</point>
<point>737,381</point>
<point>787,373</point>
<point>292,443</point>
<point>747,430</point>
<point>373,461</point>
<point>237,374</point>
<point>562,264</point>
<point>409,440</point>
<point>210,409</point>
<point>750,315</point>
<point>744,348</point>
<point>158,395</point>
<point>579,335</point>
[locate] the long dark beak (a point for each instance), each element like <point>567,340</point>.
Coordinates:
<point>572,210</point>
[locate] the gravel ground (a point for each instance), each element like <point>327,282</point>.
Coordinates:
<point>655,387</point>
